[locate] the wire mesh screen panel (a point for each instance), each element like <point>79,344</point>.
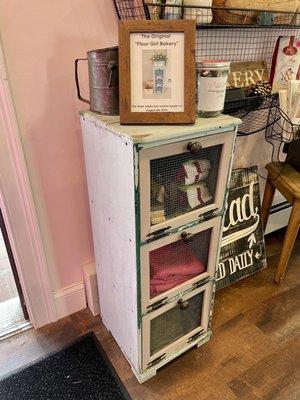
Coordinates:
<point>224,16</point>
<point>255,115</point>
<point>178,262</point>
<point>183,182</point>
<point>280,126</point>
<point>130,9</point>
<point>175,323</point>
<point>236,35</point>
<point>243,44</point>
<point>240,44</point>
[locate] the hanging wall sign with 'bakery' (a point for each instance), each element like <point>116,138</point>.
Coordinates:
<point>242,246</point>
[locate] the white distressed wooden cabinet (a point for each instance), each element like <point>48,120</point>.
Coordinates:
<point>157,196</point>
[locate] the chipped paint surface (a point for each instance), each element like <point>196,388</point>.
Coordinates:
<point>149,134</point>
<point>134,142</point>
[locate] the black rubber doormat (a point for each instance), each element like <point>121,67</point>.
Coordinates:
<point>80,371</point>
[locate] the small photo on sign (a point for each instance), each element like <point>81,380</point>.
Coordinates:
<point>242,246</point>
<point>156,80</point>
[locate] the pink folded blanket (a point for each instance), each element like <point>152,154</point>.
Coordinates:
<point>172,265</point>
<point>158,287</point>
<point>193,171</point>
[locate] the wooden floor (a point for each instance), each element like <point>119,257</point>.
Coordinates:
<point>254,353</point>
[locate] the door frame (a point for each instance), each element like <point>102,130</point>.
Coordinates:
<point>13,267</point>
<point>19,212</point>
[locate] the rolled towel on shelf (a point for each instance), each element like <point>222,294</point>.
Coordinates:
<point>193,196</point>
<point>201,15</point>
<point>193,171</point>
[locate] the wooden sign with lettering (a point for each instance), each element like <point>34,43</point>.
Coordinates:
<point>242,246</point>
<point>245,74</point>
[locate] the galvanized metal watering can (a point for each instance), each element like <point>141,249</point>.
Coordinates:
<point>103,80</point>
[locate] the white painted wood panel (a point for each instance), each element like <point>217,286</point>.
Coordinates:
<point>69,299</point>
<point>110,176</point>
<point>91,287</point>
<point>20,214</point>
<point>278,220</point>
<point>147,133</point>
<point>114,154</point>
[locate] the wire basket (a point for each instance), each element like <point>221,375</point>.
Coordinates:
<point>233,34</point>
<point>254,114</point>
<point>221,16</point>
<point>280,127</point>
<point>131,9</point>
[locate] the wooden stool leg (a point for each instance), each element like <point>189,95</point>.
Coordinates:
<point>267,202</point>
<point>289,240</point>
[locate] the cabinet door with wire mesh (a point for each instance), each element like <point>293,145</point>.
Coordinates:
<point>179,182</point>
<point>175,325</point>
<point>175,262</point>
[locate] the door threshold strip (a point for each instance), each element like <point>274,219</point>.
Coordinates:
<point>14,330</point>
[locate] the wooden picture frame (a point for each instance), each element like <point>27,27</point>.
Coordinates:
<point>164,51</point>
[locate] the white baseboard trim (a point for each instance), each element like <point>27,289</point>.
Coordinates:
<point>69,299</point>
<point>278,219</point>
<point>91,287</point>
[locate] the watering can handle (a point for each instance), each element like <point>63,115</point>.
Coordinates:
<point>77,80</point>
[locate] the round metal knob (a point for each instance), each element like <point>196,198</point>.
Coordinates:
<point>194,147</point>
<point>187,237</point>
<point>183,304</point>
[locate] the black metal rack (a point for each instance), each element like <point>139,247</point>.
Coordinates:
<point>221,17</point>
<point>131,9</point>
<point>231,34</point>
<point>279,126</point>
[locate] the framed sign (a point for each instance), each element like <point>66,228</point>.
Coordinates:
<point>157,72</point>
<point>242,246</point>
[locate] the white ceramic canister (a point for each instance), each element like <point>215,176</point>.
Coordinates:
<point>201,15</point>
<point>212,79</point>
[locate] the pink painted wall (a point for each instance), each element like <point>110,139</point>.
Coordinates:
<point>41,39</point>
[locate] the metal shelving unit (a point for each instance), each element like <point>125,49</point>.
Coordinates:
<point>233,34</point>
